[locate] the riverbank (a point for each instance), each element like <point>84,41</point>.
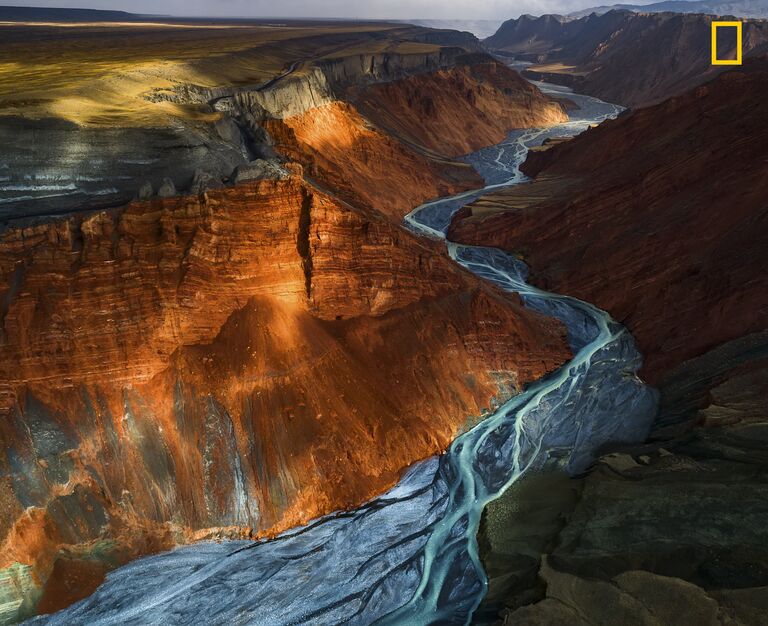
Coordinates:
<point>418,540</point>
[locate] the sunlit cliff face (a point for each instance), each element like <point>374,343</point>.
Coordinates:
<point>458,110</point>
<point>341,148</point>
<point>388,149</point>
<point>259,351</point>
<point>234,363</point>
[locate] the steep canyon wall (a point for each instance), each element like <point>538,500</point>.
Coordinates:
<point>267,349</point>
<point>667,235</point>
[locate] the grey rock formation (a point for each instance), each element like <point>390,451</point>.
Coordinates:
<point>167,189</point>
<point>291,96</point>
<point>230,132</point>
<point>295,94</point>
<point>385,66</point>
<point>145,191</point>
<point>673,529</point>
<point>52,166</point>
<point>202,181</point>
<point>257,170</point>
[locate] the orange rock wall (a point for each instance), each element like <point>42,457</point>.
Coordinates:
<point>235,363</point>
<point>459,110</point>
<point>390,145</point>
<point>342,151</point>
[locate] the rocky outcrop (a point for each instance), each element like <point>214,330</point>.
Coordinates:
<point>229,364</point>
<point>632,59</point>
<point>77,167</point>
<point>390,149</point>
<point>668,532</point>
<point>363,164</point>
<point>355,70</point>
<point>258,170</point>
<point>529,35</point>
<point>458,110</point>
<point>292,95</point>
<point>658,217</point>
<point>303,88</point>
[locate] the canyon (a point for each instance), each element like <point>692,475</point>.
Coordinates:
<point>253,341</point>
<point>653,215</point>
<point>235,364</point>
<point>341,323</point>
<point>668,531</point>
<point>411,129</point>
<point>135,105</point>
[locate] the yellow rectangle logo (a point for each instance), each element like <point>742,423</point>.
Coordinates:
<point>737,60</point>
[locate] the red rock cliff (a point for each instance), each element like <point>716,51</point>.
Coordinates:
<point>658,217</point>
<point>234,363</point>
<point>366,166</point>
<point>461,110</point>
<point>389,146</point>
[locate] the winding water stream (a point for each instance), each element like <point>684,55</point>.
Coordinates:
<point>410,556</point>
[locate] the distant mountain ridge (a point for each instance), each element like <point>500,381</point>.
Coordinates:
<point>33,14</point>
<point>737,8</point>
<point>479,28</point>
<point>633,59</point>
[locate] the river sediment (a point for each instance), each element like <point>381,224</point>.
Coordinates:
<point>411,554</point>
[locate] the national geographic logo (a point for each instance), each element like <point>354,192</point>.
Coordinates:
<point>728,25</point>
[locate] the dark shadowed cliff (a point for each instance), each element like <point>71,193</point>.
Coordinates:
<point>659,217</point>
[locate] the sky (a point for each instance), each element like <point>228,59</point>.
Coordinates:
<point>367,9</point>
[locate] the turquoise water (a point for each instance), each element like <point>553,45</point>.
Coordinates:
<point>410,556</point>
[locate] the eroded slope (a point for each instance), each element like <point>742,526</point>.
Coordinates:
<point>658,217</point>
<point>247,360</point>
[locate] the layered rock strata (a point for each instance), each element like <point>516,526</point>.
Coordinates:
<point>390,146</point>
<point>458,110</point>
<point>363,164</point>
<point>229,364</point>
<point>657,217</point>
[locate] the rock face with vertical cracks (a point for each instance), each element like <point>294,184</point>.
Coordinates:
<point>666,234</point>
<point>229,364</point>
